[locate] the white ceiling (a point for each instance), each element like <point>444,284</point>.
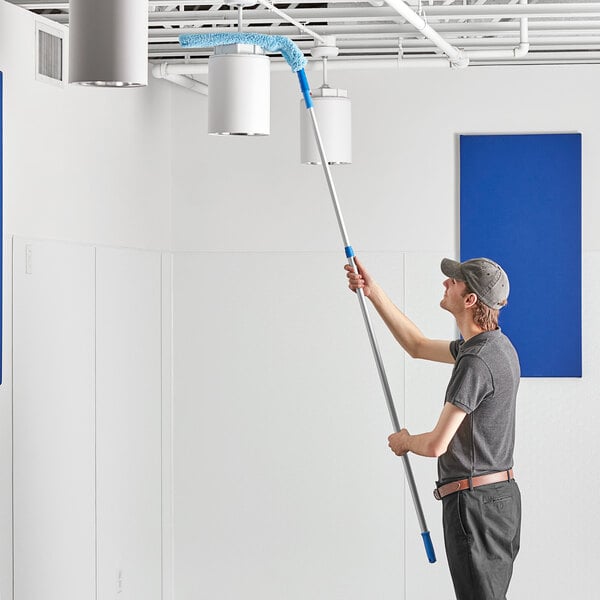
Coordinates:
<point>558,32</point>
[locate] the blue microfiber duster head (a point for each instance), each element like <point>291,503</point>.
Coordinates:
<point>271,43</point>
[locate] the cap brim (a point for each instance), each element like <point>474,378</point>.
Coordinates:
<point>451,268</point>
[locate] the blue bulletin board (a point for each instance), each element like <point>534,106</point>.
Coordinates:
<point>520,205</point>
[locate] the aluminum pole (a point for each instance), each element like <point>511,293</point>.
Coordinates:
<point>363,306</point>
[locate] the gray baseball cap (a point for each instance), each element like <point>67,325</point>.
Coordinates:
<point>485,277</point>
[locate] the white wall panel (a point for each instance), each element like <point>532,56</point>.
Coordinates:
<point>283,485</point>
<point>6,541</point>
<point>53,295</point>
<point>128,418</point>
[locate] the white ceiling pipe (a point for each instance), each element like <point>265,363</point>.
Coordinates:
<point>471,11</point>
<point>555,58</point>
<point>393,62</point>
<point>339,15</point>
<point>391,44</point>
<point>518,52</point>
<point>64,5</point>
<point>549,56</point>
<point>515,11</point>
<point>190,83</point>
<point>164,70</point>
<point>391,30</point>
<point>456,56</point>
<point>423,50</point>
<point>422,47</point>
<point>180,73</point>
<point>486,45</point>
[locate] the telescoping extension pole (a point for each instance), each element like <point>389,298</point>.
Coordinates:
<point>295,58</point>
<point>365,313</point>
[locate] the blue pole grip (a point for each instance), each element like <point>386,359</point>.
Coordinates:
<point>349,251</point>
<point>428,546</point>
<point>305,88</point>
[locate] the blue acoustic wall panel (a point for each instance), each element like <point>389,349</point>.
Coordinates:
<point>520,204</point>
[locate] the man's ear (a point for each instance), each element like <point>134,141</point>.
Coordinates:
<point>470,300</point>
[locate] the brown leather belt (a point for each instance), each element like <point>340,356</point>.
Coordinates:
<point>466,484</point>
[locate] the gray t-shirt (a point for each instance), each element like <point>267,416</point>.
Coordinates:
<point>484,384</point>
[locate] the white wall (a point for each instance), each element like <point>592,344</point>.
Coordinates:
<point>91,169</point>
<point>401,191</point>
<point>284,485</point>
<point>277,450</point>
<point>258,272</point>
<point>81,164</point>
<point>6,474</point>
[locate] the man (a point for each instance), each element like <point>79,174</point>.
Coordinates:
<point>473,439</point>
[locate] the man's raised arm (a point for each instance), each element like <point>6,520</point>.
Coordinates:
<point>408,335</point>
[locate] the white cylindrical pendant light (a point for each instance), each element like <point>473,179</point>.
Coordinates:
<point>239,83</point>
<point>108,42</point>
<point>333,111</point>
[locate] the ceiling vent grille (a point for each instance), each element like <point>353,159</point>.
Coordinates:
<point>50,55</point>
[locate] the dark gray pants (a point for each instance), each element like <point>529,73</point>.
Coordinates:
<point>482,529</point>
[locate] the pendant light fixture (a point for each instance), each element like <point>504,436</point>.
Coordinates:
<point>108,42</point>
<point>239,80</point>
<point>333,110</point>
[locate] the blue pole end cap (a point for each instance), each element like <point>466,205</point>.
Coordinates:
<point>428,546</point>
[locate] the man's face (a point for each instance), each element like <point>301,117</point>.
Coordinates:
<point>454,295</point>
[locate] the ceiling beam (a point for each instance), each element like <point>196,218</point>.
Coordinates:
<point>482,11</point>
